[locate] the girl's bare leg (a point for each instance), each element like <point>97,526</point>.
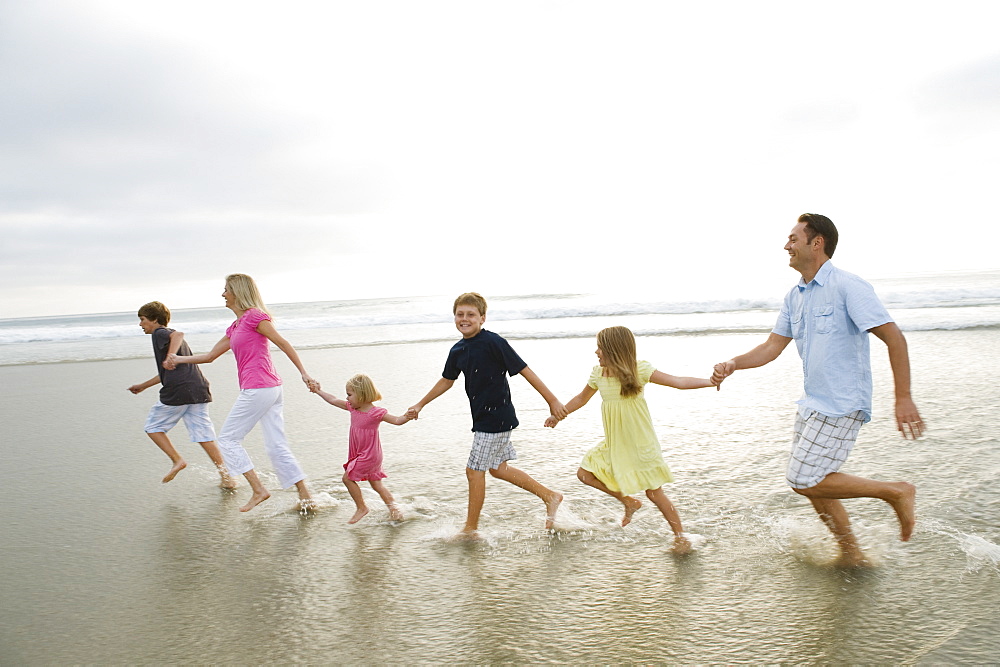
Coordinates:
<point>387,498</point>
<point>525,481</point>
<point>163,442</point>
<point>681,544</point>
<point>260,493</point>
<point>631,504</point>
<point>228,482</point>
<point>357,497</point>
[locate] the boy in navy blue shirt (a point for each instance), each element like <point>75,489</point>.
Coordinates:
<point>486,359</point>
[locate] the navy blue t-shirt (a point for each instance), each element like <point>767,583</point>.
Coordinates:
<point>486,359</point>
<point>185,384</point>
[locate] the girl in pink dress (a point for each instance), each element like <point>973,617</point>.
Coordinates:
<point>364,457</point>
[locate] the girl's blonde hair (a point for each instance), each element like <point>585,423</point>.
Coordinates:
<point>618,351</point>
<point>245,292</point>
<point>364,388</point>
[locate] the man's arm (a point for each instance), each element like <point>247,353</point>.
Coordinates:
<point>557,409</point>
<point>763,354</point>
<point>441,386</point>
<point>907,418</point>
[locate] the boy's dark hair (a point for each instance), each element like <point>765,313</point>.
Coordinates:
<point>155,311</point>
<point>473,299</point>
<point>821,225</point>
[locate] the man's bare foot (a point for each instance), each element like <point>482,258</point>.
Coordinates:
<point>359,515</point>
<point>394,512</point>
<point>551,507</point>
<point>905,506</point>
<point>682,545</point>
<point>631,505</point>
<point>180,465</point>
<point>852,559</point>
<point>255,499</point>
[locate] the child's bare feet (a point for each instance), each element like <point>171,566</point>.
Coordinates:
<point>359,515</point>
<point>682,545</point>
<point>905,506</point>
<point>394,512</point>
<point>180,465</point>
<point>551,507</point>
<point>256,499</point>
<point>631,505</point>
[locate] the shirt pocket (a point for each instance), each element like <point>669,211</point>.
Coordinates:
<point>823,319</point>
<point>798,323</point>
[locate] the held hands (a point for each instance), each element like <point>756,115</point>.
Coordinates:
<point>721,372</point>
<point>908,420</point>
<point>413,412</point>
<point>170,363</point>
<point>311,384</point>
<point>551,421</point>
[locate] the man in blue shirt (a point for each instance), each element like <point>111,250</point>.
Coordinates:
<point>829,315</point>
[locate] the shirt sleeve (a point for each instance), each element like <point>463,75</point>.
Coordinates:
<point>451,370</point>
<point>644,370</point>
<point>783,327</point>
<point>255,316</point>
<point>511,361</point>
<point>594,374</point>
<point>864,307</point>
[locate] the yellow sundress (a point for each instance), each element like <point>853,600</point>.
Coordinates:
<point>629,459</point>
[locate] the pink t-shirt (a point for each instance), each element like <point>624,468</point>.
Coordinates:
<point>252,351</point>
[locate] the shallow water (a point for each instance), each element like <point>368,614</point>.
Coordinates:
<point>102,563</point>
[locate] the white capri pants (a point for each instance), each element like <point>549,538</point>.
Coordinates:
<point>261,406</point>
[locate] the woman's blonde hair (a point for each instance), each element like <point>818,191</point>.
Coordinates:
<point>364,388</point>
<point>618,351</point>
<point>245,292</point>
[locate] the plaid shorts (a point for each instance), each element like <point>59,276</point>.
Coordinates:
<point>820,446</point>
<point>489,450</point>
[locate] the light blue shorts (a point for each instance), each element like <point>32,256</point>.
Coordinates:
<point>162,418</point>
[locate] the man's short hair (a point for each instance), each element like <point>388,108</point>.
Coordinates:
<point>821,225</point>
<point>474,299</point>
<point>154,311</point>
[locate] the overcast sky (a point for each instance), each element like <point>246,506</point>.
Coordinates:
<point>338,150</point>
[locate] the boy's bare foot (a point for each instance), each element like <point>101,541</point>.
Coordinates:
<point>255,499</point>
<point>394,513</point>
<point>359,515</point>
<point>551,507</point>
<point>905,506</point>
<point>180,465</point>
<point>631,505</point>
<point>682,545</point>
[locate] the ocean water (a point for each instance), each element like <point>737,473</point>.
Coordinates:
<point>104,564</point>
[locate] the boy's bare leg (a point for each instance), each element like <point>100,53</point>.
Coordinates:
<point>525,481</point>
<point>306,502</point>
<point>228,481</point>
<point>835,517</point>
<point>357,497</point>
<point>260,493</point>
<point>900,495</point>
<point>387,498</point>
<point>681,544</point>
<point>163,442</point>
<point>631,504</point>
<point>477,496</point>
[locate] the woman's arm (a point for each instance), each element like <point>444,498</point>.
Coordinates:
<point>266,329</point>
<point>170,363</point>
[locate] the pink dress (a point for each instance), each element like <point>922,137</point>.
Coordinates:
<point>364,454</point>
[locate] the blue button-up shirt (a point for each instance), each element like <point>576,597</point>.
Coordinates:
<point>829,317</point>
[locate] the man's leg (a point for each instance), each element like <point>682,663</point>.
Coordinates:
<point>837,486</point>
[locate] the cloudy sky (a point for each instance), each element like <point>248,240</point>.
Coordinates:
<point>340,150</point>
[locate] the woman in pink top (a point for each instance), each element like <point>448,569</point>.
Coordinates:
<point>260,400</point>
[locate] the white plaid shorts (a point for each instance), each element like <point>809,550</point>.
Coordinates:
<point>489,450</point>
<point>820,446</point>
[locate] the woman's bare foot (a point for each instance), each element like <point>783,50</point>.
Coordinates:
<point>905,506</point>
<point>227,481</point>
<point>394,512</point>
<point>551,507</point>
<point>631,505</point>
<point>256,499</point>
<point>180,465</point>
<point>682,545</point>
<point>359,515</point>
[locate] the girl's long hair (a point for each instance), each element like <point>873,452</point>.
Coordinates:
<point>618,350</point>
<point>245,291</point>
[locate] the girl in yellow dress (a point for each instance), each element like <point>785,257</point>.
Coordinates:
<point>629,458</point>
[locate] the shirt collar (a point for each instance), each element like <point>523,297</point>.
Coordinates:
<point>821,277</point>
